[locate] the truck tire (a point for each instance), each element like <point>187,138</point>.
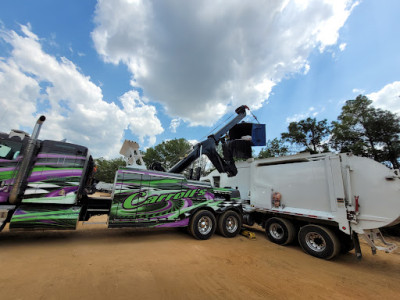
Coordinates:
<point>346,244</point>
<point>248,220</point>
<point>229,224</point>
<point>319,241</point>
<point>280,231</point>
<point>202,225</point>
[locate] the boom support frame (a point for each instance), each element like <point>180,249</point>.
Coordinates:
<point>208,147</point>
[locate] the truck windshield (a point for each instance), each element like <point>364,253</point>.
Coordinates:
<point>4,151</point>
<point>9,149</point>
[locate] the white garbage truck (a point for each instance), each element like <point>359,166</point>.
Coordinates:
<point>326,200</point>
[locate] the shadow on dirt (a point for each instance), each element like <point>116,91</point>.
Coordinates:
<point>22,238</point>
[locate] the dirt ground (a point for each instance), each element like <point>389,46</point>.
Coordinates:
<point>99,263</point>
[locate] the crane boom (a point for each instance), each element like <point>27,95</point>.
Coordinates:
<point>208,147</point>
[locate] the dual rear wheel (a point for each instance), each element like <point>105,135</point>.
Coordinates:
<point>315,240</point>
<point>229,224</point>
<point>203,224</point>
<point>280,231</point>
<point>319,241</point>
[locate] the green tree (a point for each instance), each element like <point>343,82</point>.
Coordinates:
<point>308,133</point>
<point>367,131</point>
<point>274,148</point>
<point>168,153</point>
<point>106,168</point>
<point>352,131</point>
<point>390,138</point>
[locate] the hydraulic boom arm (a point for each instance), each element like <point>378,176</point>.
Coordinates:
<point>208,147</point>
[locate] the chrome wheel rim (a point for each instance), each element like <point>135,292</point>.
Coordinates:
<point>204,225</point>
<point>276,231</point>
<point>231,224</point>
<point>315,241</point>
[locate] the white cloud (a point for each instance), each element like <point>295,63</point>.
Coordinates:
<point>16,93</point>
<point>388,97</point>
<point>328,29</point>
<point>342,46</point>
<point>312,112</point>
<point>33,82</point>
<point>200,59</point>
<point>175,123</point>
<point>193,142</point>
<point>307,68</point>
<point>142,118</point>
<point>297,117</point>
<point>358,91</point>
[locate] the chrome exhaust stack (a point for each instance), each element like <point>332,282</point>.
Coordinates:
<point>26,163</point>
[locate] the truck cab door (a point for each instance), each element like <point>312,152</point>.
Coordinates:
<point>127,194</point>
<point>163,198</point>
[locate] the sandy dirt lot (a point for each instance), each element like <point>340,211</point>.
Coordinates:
<point>99,263</point>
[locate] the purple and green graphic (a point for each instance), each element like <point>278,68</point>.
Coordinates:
<point>45,217</point>
<point>54,178</point>
<point>157,199</point>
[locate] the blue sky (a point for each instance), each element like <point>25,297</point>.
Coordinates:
<point>369,62</point>
<point>156,70</point>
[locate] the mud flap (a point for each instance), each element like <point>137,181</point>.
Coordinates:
<point>4,212</point>
<point>357,246</point>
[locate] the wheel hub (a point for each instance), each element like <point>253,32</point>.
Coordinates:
<point>315,241</point>
<point>204,225</point>
<point>276,231</point>
<point>231,224</point>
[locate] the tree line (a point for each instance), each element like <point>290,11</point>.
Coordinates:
<point>360,128</point>
<point>167,153</point>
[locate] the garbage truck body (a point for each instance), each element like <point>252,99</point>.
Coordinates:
<point>325,200</point>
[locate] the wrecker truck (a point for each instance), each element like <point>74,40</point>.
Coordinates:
<point>45,186</point>
<point>324,201</point>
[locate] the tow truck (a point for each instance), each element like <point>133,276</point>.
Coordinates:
<point>45,185</point>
